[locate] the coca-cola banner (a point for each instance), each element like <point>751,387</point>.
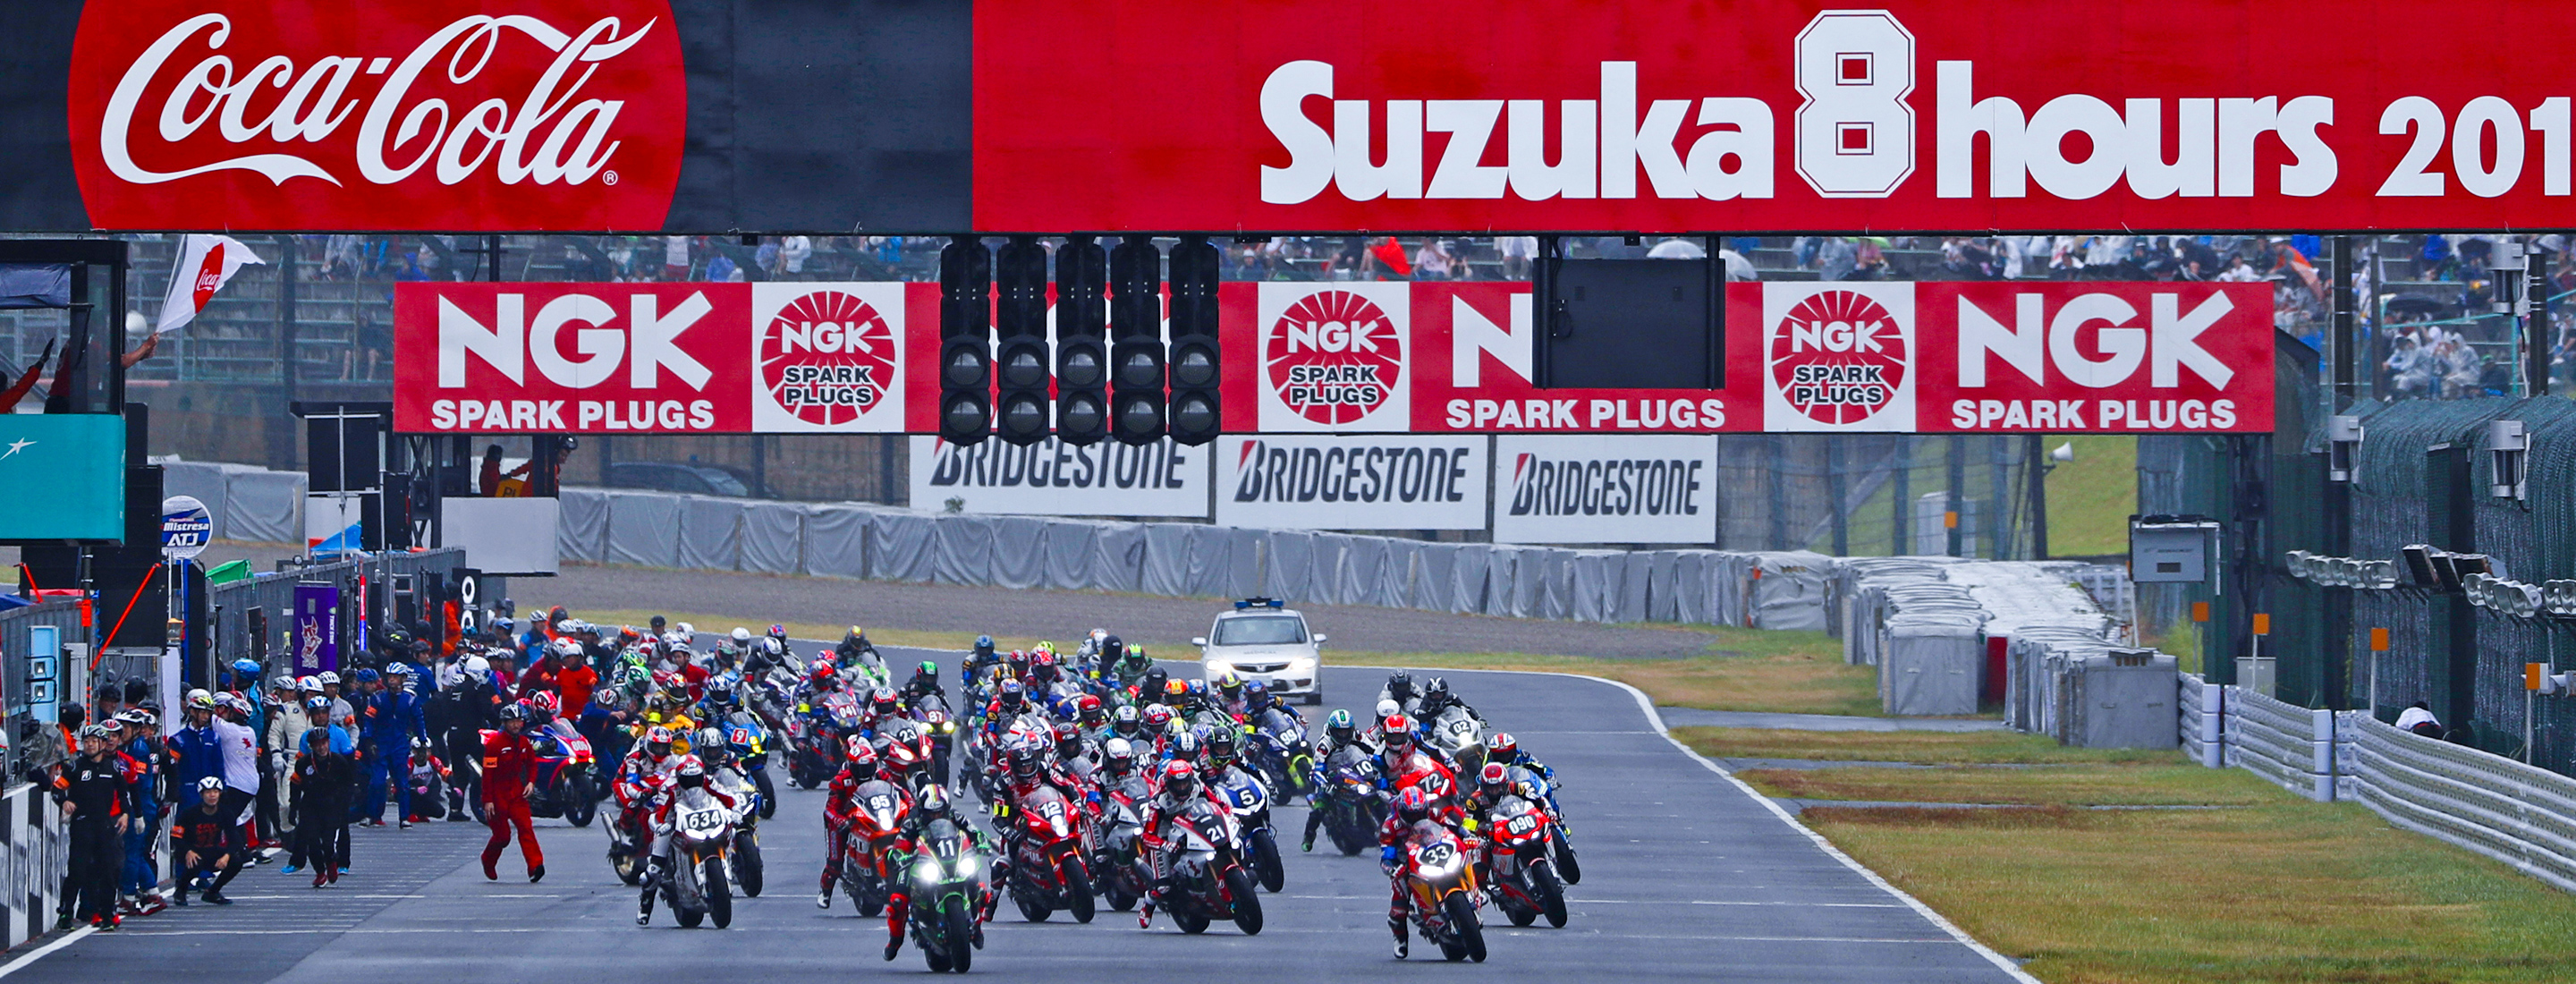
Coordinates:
<point>1658,488</point>
<point>659,358</point>
<point>1910,115</point>
<point>467,115</point>
<point>1359,482</point>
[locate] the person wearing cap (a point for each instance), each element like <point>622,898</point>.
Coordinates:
<point>140,881</point>
<point>239,748</point>
<point>204,845</point>
<point>98,805</point>
<point>394,720</point>
<point>287,723</point>
<point>194,750</point>
<point>324,776</point>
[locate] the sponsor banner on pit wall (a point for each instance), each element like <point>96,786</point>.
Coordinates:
<point>655,358</point>
<point>1337,482</point>
<point>1912,115</point>
<point>1052,478</point>
<point>1630,488</point>
<point>1326,357</point>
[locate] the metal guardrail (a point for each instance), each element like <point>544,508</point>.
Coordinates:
<point>2518,814</point>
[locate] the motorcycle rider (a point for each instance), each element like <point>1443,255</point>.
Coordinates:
<point>933,806</point>
<point>981,658</point>
<point>1179,790</point>
<point>1126,722</point>
<point>884,706</point>
<point>1258,698</point>
<point>1228,695</point>
<point>688,773</point>
<point>1339,733</point>
<point>1411,808</point>
<point>854,649</point>
<point>640,777</point>
<point>1222,753</point>
<point>1122,664</point>
<point>1404,761</point>
<point>923,685</point>
<point>509,762</point>
<point>1399,688</point>
<point>1437,698</point>
<point>858,767</point>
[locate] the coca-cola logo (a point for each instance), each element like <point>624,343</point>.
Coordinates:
<point>1838,357</point>
<point>1333,356</point>
<point>827,357</point>
<point>305,114</point>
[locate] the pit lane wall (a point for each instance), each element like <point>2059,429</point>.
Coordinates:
<point>31,868</point>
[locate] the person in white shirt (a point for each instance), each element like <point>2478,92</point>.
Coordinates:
<point>240,753</point>
<point>2418,718</point>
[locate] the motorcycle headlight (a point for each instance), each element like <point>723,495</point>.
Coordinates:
<point>966,867</point>
<point>926,872</point>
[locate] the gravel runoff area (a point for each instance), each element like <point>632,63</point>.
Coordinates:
<point>1066,614</point>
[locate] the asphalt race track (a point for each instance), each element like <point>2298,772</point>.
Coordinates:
<point>1687,878</point>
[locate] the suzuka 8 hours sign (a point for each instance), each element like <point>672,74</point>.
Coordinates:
<point>1333,357</point>
<point>825,357</point>
<point>1838,356</point>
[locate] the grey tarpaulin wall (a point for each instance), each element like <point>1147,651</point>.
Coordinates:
<point>245,501</point>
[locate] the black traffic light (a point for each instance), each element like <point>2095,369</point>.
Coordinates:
<point>1196,410</point>
<point>1081,342</point>
<point>1020,313</point>
<point>965,341</point>
<point>1136,341</point>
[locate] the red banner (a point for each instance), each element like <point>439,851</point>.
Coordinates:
<point>772,358</point>
<point>1688,116</point>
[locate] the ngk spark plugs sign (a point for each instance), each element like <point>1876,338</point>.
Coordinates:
<point>1329,482</point>
<point>654,358</point>
<point>1659,488</point>
<point>1052,478</point>
<point>1838,356</point>
<point>1776,116</point>
<point>1331,357</point>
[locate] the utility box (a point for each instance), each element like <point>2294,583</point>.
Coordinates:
<point>2123,698</point>
<point>2171,552</point>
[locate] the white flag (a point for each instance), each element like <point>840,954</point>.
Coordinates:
<point>206,263</point>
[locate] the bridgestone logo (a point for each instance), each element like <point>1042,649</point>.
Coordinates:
<point>1358,474</point>
<point>1049,464</point>
<point>1606,487</point>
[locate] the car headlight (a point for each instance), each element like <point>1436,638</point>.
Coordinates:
<point>1302,664</point>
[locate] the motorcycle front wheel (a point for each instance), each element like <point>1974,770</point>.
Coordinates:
<point>1265,859</point>
<point>1461,911</point>
<point>579,806</point>
<point>746,863</point>
<point>1077,891</point>
<point>961,937</point>
<point>1551,893</point>
<point>1247,903</point>
<point>719,899</point>
<point>629,868</point>
<point>768,793</point>
<point>1566,866</point>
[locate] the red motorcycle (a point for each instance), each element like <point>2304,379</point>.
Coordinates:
<point>875,826</point>
<point>1209,880</point>
<point>1521,875</point>
<point>1052,869</point>
<point>1443,886</point>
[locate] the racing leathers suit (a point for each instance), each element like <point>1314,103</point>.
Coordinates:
<point>1391,836</point>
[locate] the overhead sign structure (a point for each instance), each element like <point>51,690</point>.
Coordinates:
<point>186,527</point>
<point>62,477</point>
<point>1364,482</point>
<point>1643,488</point>
<point>1317,116</point>
<point>1052,478</point>
<point>1355,358</point>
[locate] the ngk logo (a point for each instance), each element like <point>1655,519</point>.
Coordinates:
<point>1839,358</point>
<point>326,116</point>
<point>643,339</point>
<point>1332,357</point>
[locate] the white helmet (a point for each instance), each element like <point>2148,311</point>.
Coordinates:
<point>1388,708</point>
<point>569,648</point>
<point>328,678</point>
<point>477,664</point>
<point>282,683</point>
<point>567,626</point>
<point>741,634</point>
<point>687,631</point>
<point>676,640</point>
<point>309,683</point>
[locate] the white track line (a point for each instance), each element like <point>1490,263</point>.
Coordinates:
<point>39,953</point>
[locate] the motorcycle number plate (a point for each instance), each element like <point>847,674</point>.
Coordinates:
<point>741,736</point>
<point>1434,855</point>
<point>702,821</point>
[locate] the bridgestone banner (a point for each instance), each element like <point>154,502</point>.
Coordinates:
<point>1051,478</point>
<point>893,117</point>
<point>1624,489</point>
<point>1375,482</point>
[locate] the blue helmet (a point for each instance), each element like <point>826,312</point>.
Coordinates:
<point>983,642</point>
<point>246,666</point>
<point>366,676</point>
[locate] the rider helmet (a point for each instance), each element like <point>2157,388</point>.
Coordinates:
<point>514,712</point>
<point>473,664</point>
<point>1180,779</point>
<point>1221,746</point>
<point>1175,690</point>
<point>1339,725</point>
<point>366,675</point>
<point>778,632</point>
<point>1502,747</point>
<point>1066,734</point>
<point>675,640</point>
<point>884,702</point>
<point>1399,685</point>
<point>1399,732</point>
<point>545,700</point>
<point>1112,648</point>
<point>772,648</point>
<point>928,670</point>
<point>1043,647</point>
<point>1413,806</point>
<point>1185,747</point>
<point>984,644</point>
<point>1088,709</point>
<point>201,699</point>
<point>862,758</point>
<point>329,679</point>
<point>1019,662</point>
<point>933,803</point>
<point>1198,688</point>
<point>657,740</point>
<point>1230,684</point>
<point>246,667</point>
<point>1117,755</point>
<point>1493,779</point>
<point>741,635</point>
<point>213,783</point>
<point>314,683</point>
<point>1256,695</point>
<point>710,743</point>
<point>822,672</point>
<point>1012,695</point>
<point>1156,716</point>
<point>1125,720</point>
<point>317,705</point>
<point>1436,690</point>
<point>691,771</point>
<point>1387,709</point>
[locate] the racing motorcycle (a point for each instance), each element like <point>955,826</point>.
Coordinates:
<point>565,779</point>
<point>747,738</point>
<point>1051,871</point>
<point>1542,793</point>
<point>1249,799</point>
<point>747,870</point>
<point>1442,886</point>
<point>1277,746</point>
<point>947,896</point>
<point>1209,881</point>
<point>1521,879</point>
<point>1456,732</point>
<point>941,728</point>
<point>1353,807</point>
<point>867,847</point>
<point>1126,869</point>
<point>626,854</point>
<point>696,886</point>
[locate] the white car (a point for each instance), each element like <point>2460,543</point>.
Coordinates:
<point>1263,639</point>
